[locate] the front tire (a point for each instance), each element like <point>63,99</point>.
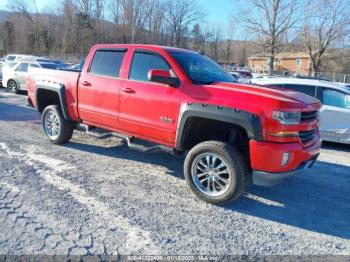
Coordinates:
<point>12,87</point>
<point>216,172</point>
<point>56,127</point>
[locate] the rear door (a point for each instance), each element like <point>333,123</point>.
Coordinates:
<point>98,88</point>
<point>21,74</point>
<point>149,109</point>
<point>335,115</point>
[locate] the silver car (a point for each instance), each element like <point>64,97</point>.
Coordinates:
<point>15,78</point>
<point>335,112</point>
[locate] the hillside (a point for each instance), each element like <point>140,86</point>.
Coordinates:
<point>3,15</point>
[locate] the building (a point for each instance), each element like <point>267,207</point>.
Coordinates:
<point>295,62</point>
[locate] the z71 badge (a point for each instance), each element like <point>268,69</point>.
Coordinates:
<point>166,119</point>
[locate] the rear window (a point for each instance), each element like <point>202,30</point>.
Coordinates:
<point>309,90</point>
<point>10,58</point>
<point>107,63</point>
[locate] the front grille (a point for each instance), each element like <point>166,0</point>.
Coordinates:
<point>309,116</point>
<point>307,136</point>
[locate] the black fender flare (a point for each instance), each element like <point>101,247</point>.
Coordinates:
<point>59,89</point>
<point>250,122</point>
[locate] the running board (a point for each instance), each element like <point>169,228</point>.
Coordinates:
<point>98,135</point>
<point>141,148</point>
<point>150,149</point>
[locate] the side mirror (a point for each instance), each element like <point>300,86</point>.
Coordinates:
<point>163,77</point>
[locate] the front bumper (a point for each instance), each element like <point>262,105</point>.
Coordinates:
<point>261,178</point>
<point>267,160</point>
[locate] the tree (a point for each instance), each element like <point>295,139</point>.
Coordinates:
<point>270,20</point>
<point>180,16</point>
<point>198,38</point>
<point>7,35</point>
<point>326,22</point>
<point>214,36</point>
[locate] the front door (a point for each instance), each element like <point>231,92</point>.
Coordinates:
<point>335,116</point>
<point>21,75</point>
<point>98,89</point>
<point>147,108</point>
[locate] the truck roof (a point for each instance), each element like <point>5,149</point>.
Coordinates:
<point>150,47</point>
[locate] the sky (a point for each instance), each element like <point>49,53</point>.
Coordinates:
<point>218,10</point>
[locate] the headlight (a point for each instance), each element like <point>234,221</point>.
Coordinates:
<point>287,118</point>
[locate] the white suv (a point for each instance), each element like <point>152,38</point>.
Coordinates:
<point>335,112</point>
<point>17,57</point>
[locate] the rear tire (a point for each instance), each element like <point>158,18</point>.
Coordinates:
<point>12,87</point>
<point>56,127</point>
<point>216,172</point>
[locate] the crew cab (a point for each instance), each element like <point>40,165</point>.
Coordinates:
<point>180,101</point>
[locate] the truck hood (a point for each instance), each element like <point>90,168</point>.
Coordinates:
<point>279,94</point>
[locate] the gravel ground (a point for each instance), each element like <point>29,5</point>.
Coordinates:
<point>99,197</point>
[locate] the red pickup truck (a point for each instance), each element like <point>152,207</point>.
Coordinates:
<point>181,101</point>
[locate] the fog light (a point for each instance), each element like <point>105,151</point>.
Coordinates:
<point>285,159</point>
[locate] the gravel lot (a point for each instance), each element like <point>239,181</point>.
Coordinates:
<point>99,197</point>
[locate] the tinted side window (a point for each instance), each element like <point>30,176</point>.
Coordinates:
<point>34,65</point>
<point>335,98</point>
<point>143,62</point>
<point>107,63</point>
<point>309,90</point>
<point>22,67</point>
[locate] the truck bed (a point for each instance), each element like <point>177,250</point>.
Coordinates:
<point>69,79</point>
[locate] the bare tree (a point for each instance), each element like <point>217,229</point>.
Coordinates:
<point>270,20</point>
<point>156,22</point>
<point>326,23</point>
<point>180,16</point>
<point>214,38</point>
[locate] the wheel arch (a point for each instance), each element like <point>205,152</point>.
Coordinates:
<point>49,94</point>
<point>247,123</point>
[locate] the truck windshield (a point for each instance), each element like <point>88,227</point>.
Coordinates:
<point>201,69</point>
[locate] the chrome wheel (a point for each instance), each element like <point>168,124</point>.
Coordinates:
<point>52,124</point>
<point>210,174</point>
